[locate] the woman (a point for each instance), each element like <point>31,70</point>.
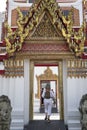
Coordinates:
<point>48,96</point>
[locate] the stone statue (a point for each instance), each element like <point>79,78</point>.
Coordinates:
<point>5,113</point>
<point>83,111</point>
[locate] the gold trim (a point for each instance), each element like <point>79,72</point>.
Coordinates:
<point>61,90</point>
<point>60,86</point>
<point>31,90</point>
<point>46,55</point>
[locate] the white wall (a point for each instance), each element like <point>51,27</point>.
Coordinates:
<point>76,87</point>
<point>14,89</point>
<point>2,18</point>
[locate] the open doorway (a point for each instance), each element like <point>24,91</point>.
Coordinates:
<point>44,74</point>
<point>53,87</point>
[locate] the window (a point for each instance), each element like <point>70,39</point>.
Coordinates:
<point>31,1</point>
<point>85,49</point>
<point>66,12</point>
<point>24,12</point>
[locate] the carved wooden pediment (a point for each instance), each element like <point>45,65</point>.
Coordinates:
<point>46,29</point>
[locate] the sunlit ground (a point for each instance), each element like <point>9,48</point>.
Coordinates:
<point>41,116</point>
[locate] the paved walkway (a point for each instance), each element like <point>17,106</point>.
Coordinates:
<point>41,116</point>
<point>44,125</point>
<point>38,122</point>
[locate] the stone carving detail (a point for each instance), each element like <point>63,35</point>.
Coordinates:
<point>45,28</point>
<point>83,111</point>
<point>5,113</point>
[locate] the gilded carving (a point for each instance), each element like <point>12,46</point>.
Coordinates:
<point>45,29</point>
<point>14,39</point>
<point>31,22</point>
<point>31,100</point>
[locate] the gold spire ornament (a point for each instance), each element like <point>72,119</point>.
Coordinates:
<point>84,1</point>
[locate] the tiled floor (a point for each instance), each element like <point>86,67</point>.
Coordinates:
<point>45,125</point>
<point>41,116</point>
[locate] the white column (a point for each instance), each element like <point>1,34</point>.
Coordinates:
<point>65,90</point>
<point>5,86</point>
<point>26,90</point>
<point>19,94</point>
<point>12,91</point>
<point>1,85</point>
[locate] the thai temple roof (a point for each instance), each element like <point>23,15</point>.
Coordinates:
<point>28,26</point>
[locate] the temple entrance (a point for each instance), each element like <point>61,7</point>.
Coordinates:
<point>46,74</point>
<point>41,74</point>
<point>53,84</point>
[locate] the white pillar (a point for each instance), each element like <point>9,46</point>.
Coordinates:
<point>65,90</point>
<point>26,90</point>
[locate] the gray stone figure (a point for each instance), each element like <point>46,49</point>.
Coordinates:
<point>83,112</point>
<point>5,113</point>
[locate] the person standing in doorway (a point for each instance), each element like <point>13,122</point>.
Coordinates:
<point>48,96</point>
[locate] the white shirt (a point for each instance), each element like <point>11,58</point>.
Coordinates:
<point>51,94</point>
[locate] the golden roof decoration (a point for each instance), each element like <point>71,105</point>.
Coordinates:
<point>48,73</point>
<point>26,24</point>
<point>84,1</point>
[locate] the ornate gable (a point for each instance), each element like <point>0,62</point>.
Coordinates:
<point>34,22</point>
<point>46,29</point>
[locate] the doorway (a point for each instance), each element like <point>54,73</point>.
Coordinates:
<point>42,73</point>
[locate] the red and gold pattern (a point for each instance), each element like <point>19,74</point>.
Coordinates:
<point>28,24</point>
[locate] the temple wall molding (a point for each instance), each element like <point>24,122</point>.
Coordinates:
<point>77,68</point>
